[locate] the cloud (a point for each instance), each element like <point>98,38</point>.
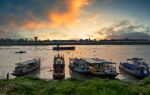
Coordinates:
<point>5,33</point>
<point>125,29</point>
<point>40,13</point>
<point>69,15</point>
<point>131,35</point>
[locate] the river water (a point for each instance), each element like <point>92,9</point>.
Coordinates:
<point>114,53</point>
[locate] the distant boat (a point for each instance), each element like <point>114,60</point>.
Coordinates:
<point>20,52</point>
<point>136,67</point>
<point>101,67</point>
<point>58,47</point>
<point>26,67</point>
<point>78,65</point>
<point>59,67</point>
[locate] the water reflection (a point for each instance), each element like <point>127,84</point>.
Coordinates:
<point>125,76</point>
<point>79,76</point>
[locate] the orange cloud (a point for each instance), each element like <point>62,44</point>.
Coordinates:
<point>35,24</point>
<point>68,16</point>
<point>58,17</point>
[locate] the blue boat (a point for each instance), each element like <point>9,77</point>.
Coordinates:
<point>136,67</point>
<point>78,65</point>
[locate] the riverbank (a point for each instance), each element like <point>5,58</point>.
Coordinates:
<point>35,86</point>
<point>107,42</point>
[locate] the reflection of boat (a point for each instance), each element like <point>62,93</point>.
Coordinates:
<point>26,67</point>
<point>136,67</point>
<point>64,48</point>
<point>76,75</point>
<point>58,67</point>
<point>20,52</point>
<point>101,67</point>
<point>78,64</point>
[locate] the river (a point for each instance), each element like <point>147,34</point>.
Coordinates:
<point>114,53</point>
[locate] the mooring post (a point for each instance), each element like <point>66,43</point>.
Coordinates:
<point>7,75</point>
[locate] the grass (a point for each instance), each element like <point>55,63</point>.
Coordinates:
<point>34,86</point>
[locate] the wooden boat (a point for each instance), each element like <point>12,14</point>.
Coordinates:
<point>20,52</point>
<point>78,65</point>
<point>26,67</point>
<point>101,67</point>
<point>59,67</point>
<point>58,47</point>
<point>136,67</point>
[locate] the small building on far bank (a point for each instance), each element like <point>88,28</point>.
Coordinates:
<point>35,38</point>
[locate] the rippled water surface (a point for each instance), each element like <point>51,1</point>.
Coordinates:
<point>115,53</point>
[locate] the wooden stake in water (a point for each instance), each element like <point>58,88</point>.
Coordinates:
<point>20,59</point>
<point>3,74</point>
<point>7,75</point>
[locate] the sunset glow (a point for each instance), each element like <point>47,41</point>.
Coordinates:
<point>74,19</point>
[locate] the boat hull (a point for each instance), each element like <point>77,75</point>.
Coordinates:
<point>79,70</point>
<point>107,76</point>
<point>63,48</point>
<point>112,76</point>
<point>131,73</point>
<point>58,75</point>
<point>26,72</point>
<point>102,74</point>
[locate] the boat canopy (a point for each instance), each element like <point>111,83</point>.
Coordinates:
<point>135,65</point>
<point>27,62</point>
<point>97,61</point>
<point>77,60</point>
<point>130,65</point>
<point>135,59</point>
<point>59,61</point>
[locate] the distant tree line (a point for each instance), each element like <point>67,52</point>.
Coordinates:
<point>9,41</point>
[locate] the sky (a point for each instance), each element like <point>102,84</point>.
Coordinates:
<point>75,19</point>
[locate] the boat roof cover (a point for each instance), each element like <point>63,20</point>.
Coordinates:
<point>136,59</point>
<point>97,60</point>
<point>135,64</point>
<point>59,61</point>
<point>27,62</point>
<point>130,65</point>
<point>78,60</point>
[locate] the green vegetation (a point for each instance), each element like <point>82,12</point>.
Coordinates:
<point>26,42</point>
<point>34,86</point>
